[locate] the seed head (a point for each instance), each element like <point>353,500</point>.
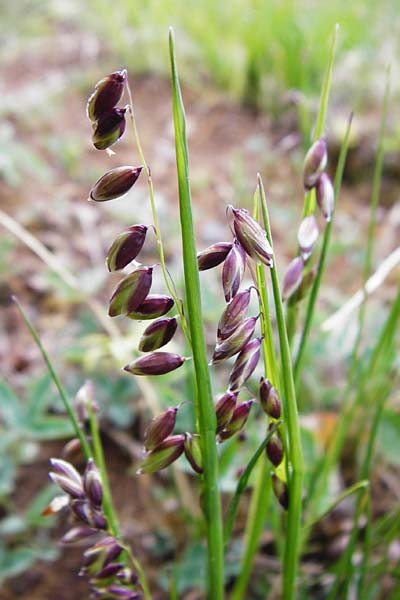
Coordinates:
<point>325,196</point>
<point>269,399</point>
<point>236,341</point>
<point>233,314</point>
<point>160,428</point>
<point>155,305</point>
<point>79,534</point>
<point>274,448</point>
<point>131,292</point>
<point>66,477</point>
<point>213,255</point>
<point>292,277</point>
<point>126,247</point>
<point>224,409</point>
<point>158,333</point>
<point>307,235</point>
<point>115,183</point>
<point>192,451</point>
<point>314,163</point>
<point>233,270</point>
<point>106,94</point>
<point>163,455</point>
<point>245,364</point>
<point>281,491</point>
<point>304,287</point>
<point>238,420</point>
<point>156,363</point>
<point>92,484</point>
<point>109,129</point>
<point>252,237</point>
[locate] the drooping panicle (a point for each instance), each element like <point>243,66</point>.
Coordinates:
<point>281,491</point>
<point>307,235</point>
<point>238,420</point>
<point>160,428</point>
<point>292,277</point>
<point>252,236</point>
<point>192,451</point>
<point>274,448</point>
<point>325,196</point>
<point>106,95</point>
<point>115,183</point>
<point>154,306</point>
<point>131,292</point>
<point>156,363</point>
<point>269,399</point>
<point>233,270</point>
<point>233,314</point>
<point>224,408</point>
<point>158,333</point>
<point>109,129</point>
<point>245,364</point>
<point>213,255</point>
<point>314,163</point>
<point>163,455</point>
<point>236,341</point>
<point>126,247</point>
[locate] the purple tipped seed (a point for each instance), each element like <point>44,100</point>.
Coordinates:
<point>233,271</point>
<point>92,484</point>
<point>236,341</point>
<point>274,448</point>
<point>252,237</point>
<point>160,428</point>
<point>213,255</point>
<point>126,247</point>
<point>131,292</point>
<point>245,364</point>
<point>224,409</point>
<point>156,363</point>
<point>307,235</point>
<point>109,129</point>
<point>292,277</point>
<point>105,95</point>
<point>325,196</point>
<point>269,399</point>
<point>115,183</point>
<point>238,420</point>
<point>158,333</point>
<point>281,491</point>
<point>155,305</point>
<point>163,455</point>
<point>78,534</point>
<point>193,452</point>
<point>314,163</point>
<point>233,314</point>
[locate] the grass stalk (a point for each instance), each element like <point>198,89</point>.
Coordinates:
<point>60,388</point>
<point>262,487</point>
<point>295,452</point>
<point>167,278</point>
<point>322,259</point>
<point>204,400</point>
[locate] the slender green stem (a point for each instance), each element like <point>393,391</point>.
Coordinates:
<point>295,452</point>
<point>309,198</point>
<point>262,488</point>
<point>61,390</point>
<point>98,456</point>
<point>322,259</point>
<point>204,400</point>
<point>167,278</point>
<point>242,483</point>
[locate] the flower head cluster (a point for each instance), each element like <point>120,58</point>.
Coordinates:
<point>103,561</point>
<point>131,297</point>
